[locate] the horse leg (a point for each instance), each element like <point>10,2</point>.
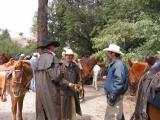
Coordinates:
<point>20,107</point>
<point>3,97</point>
<point>93,83</point>
<point>95,76</point>
<point>14,108</point>
<point>96,82</point>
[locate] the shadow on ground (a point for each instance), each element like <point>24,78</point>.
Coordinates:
<point>84,117</point>
<point>8,116</point>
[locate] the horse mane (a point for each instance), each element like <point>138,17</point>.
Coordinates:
<point>25,65</point>
<point>141,63</point>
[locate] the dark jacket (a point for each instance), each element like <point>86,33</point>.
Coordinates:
<point>117,79</point>
<point>71,74</point>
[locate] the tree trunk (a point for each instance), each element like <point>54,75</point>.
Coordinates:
<point>42,31</point>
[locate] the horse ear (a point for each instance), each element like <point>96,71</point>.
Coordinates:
<point>130,62</point>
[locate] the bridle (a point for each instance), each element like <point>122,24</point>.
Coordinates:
<point>22,88</point>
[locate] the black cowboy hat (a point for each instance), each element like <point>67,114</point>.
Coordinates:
<point>47,42</point>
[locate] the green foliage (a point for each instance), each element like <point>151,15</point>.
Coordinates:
<point>74,23</point>
<point>9,47</point>
<point>30,48</point>
<point>89,26</point>
<point>131,25</point>
<point>5,35</point>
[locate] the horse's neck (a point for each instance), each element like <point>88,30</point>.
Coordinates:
<point>28,74</point>
<point>91,63</point>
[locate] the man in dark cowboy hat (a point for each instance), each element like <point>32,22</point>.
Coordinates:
<point>48,76</point>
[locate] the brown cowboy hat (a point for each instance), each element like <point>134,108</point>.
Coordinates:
<point>47,42</point>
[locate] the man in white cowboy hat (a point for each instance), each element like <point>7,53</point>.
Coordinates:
<point>116,83</point>
<point>70,104</point>
<point>22,56</point>
<point>64,52</point>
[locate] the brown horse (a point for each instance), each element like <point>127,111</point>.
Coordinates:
<point>19,85</point>
<point>4,58</point>
<point>152,111</point>
<point>4,69</point>
<point>136,70</point>
<point>87,64</point>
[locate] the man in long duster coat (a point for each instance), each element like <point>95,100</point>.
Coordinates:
<point>48,76</point>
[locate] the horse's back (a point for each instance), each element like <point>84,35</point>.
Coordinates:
<point>153,112</point>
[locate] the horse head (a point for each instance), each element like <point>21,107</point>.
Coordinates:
<point>136,70</point>
<point>21,76</point>
<point>87,64</point>
<point>4,58</point>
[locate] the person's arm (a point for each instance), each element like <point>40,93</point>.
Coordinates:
<point>118,79</point>
<point>65,83</point>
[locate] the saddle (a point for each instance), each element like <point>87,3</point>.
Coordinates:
<point>154,96</point>
<point>149,92</point>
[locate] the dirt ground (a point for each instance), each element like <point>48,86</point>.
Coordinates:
<point>93,106</point>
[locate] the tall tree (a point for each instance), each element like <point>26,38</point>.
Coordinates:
<point>42,31</point>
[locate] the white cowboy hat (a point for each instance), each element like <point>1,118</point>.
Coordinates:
<point>66,48</point>
<point>69,52</point>
<point>22,55</point>
<point>63,53</point>
<point>113,48</point>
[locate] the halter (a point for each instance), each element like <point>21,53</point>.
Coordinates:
<point>21,86</point>
<point>21,74</point>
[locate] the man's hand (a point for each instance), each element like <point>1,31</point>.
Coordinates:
<point>78,87</point>
<point>104,77</point>
<point>71,85</point>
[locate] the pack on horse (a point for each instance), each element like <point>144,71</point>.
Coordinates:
<point>86,64</point>
<point>4,70</point>
<point>19,85</point>
<point>148,105</point>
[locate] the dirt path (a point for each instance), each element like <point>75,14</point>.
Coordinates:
<point>93,107</point>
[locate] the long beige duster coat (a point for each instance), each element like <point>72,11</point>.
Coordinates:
<point>47,87</point>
